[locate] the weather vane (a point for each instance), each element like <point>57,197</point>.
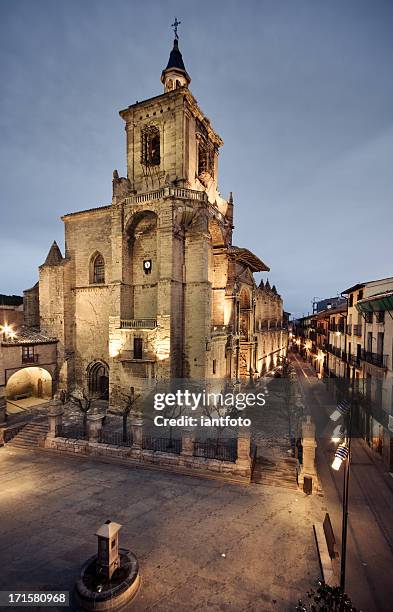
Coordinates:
<point>174,26</point>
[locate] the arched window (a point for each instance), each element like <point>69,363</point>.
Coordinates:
<point>97,276</point>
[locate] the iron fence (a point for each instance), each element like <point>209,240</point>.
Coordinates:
<point>115,438</point>
<point>224,450</point>
<point>74,431</point>
<point>164,445</point>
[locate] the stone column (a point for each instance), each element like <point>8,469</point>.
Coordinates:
<point>187,443</point>
<point>309,445</point>
<point>244,450</point>
<point>137,433</point>
<point>94,426</point>
<point>55,418</point>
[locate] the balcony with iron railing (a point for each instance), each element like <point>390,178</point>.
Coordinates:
<point>337,327</point>
<point>138,323</point>
<point>354,360</point>
<point>376,359</point>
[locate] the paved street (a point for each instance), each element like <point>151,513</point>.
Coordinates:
<point>179,527</point>
<point>370,534</point>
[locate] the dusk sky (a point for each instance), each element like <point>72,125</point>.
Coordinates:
<point>300,91</point>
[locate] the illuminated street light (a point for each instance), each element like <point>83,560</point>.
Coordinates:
<point>8,331</point>
<point>341,410</point>
<point>340,455</point>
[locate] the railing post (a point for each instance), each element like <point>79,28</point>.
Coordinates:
<point>94,426</point>
<point>244,450</point>
<point>55,418</point>
<point>187,443</point>
<point>137,433</point>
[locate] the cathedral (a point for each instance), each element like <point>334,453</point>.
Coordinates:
<point>150,287</point>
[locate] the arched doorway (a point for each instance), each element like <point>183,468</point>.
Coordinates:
<point>28,387</point>
<point>98,380</point>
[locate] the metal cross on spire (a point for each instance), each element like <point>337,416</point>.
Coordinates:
<point>174,25</point>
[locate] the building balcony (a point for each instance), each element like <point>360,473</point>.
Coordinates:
<point>138,323</point>
<point>167,192</point>
<point>376,359</point>
<point>380,316</point>
<point>354,360</point>
<point>357,330</point>
<point>337,327</point>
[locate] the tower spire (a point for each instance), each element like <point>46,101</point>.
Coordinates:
<point>175,74</point>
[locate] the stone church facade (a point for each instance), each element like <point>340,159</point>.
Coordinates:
<point>151,286</point>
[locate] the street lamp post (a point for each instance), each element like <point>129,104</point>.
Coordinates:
<point>343,454</point>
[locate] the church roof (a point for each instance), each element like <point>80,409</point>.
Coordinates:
<point>54,256</point>
<point>249,259</point>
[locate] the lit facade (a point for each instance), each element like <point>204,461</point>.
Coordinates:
<point>151,286</point>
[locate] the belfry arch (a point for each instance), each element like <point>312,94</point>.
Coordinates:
<point>141,264</point>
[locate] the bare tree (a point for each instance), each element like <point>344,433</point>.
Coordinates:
<point>128,405</point>
<point>83,401</point>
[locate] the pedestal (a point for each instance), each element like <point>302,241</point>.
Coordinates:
<point>94,426</point>
<point>55,418</point>
<point>137,433</point>
<point>187,443</point>
<point>308,468</point>
<point>244,449</point>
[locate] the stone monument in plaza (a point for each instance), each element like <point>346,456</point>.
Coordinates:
<point>110,579</point>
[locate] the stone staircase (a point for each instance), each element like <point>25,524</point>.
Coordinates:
<point>30,436</point>
<point>279,472</point>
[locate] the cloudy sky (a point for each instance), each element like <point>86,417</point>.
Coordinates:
<point>300,91</point>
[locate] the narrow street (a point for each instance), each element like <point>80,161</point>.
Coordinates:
<point>370,534</point>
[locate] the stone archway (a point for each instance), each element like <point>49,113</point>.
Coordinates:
<point>28,387</point>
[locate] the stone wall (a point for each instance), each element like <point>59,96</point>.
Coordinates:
<point>199,466</point>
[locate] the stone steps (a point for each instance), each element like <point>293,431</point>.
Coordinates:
<point>279,473</point>
<point>30,436</point>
